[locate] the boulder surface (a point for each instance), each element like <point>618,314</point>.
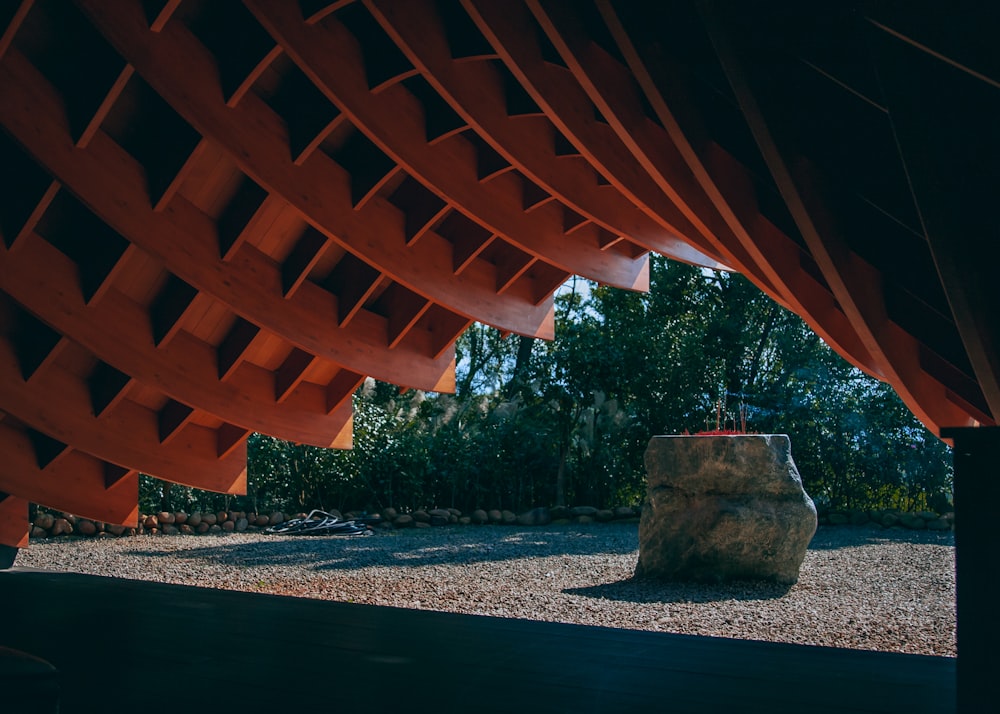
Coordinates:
<point>723,508</point>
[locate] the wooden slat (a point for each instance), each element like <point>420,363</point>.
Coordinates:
<point>341,389</point>
<point>168,308</point>
<point>383,64</point>
<point>288,376</point>
<point>30,201</point>
<point>237,214</point>
<point>307,113</point>
<point>952,183</point>
<point>609,86</point>
<point>405,308</point>
<point>856,284</point>
<point>444,327</point>
<point>56,405</point>
<point>35,344</point>
<point>441,121</point>
<point>729,187</point>
<point>183,240</point>
<point>481,95</point>
<point>370,169</point>
<point>468,239</point>
<point>253,136</point>
<point>234,346</point>
<point>102,111</point>
<point>13,521</point>
<point>512,30</point>
<point>185,170</point>
<point>422,209</point>
<point>172,418</point>
<point>160,12</point>
<point>510,267</point>
<point>47,449</point>
<point>304,256</point>
<point>546,279</point>
<point>228,438</point>
<point>107,387</point>
<point>185,368</point>
<point>330,55</point>
<point>96,249</point>
<point>113,474</point>
<point>353,281</point>
<point>17,18</point>
<point>74,484</point>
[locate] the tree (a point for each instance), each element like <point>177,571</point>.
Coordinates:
<point>568,421</point>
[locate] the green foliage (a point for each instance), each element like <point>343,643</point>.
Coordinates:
<point>568,421</point>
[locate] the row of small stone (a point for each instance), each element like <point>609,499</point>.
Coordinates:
<point>921,520</point>
<point>541,516</point>
<point>48,525</point>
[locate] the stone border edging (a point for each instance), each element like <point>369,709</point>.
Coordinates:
<point>49,525</point>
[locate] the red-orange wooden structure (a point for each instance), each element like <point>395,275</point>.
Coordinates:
<point>218,217</point>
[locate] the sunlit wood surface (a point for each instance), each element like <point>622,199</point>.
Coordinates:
<point>219,217</point>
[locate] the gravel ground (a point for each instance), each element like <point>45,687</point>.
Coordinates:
<point>889,590</point>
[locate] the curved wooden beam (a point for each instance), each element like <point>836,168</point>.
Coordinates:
<point>13,521</point>
<point>950,181</point>
<point>728,185</point>
<point>330,55</point>
<point>59,404</point>
<point>476,92</point>
<point>609,86</point>
<point>185,241</point>
<point>508,28</point>
<point>117,330</point>
<point>856,284</point>
<point>76,483</point>
<point>183,71</point>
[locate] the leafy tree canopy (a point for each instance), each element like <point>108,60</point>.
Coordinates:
<point>567,421</point>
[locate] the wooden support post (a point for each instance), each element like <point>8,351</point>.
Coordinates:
<point>977,490</point>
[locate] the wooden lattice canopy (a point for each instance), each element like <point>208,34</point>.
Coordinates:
<point>218,217</point>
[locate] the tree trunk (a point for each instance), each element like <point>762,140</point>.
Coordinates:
<point>524,346</point>
<point>771,323</point>
<point>561,477</point>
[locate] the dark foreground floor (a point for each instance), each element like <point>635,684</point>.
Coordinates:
<point>123,645</point>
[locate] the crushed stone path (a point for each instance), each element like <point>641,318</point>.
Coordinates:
<point>859,587</point>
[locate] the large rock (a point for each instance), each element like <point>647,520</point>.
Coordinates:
<point>723,508</point>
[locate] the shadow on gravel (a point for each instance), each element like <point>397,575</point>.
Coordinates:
<point>834,537</point>
<point>657,591</point>
<point>410,549</point>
